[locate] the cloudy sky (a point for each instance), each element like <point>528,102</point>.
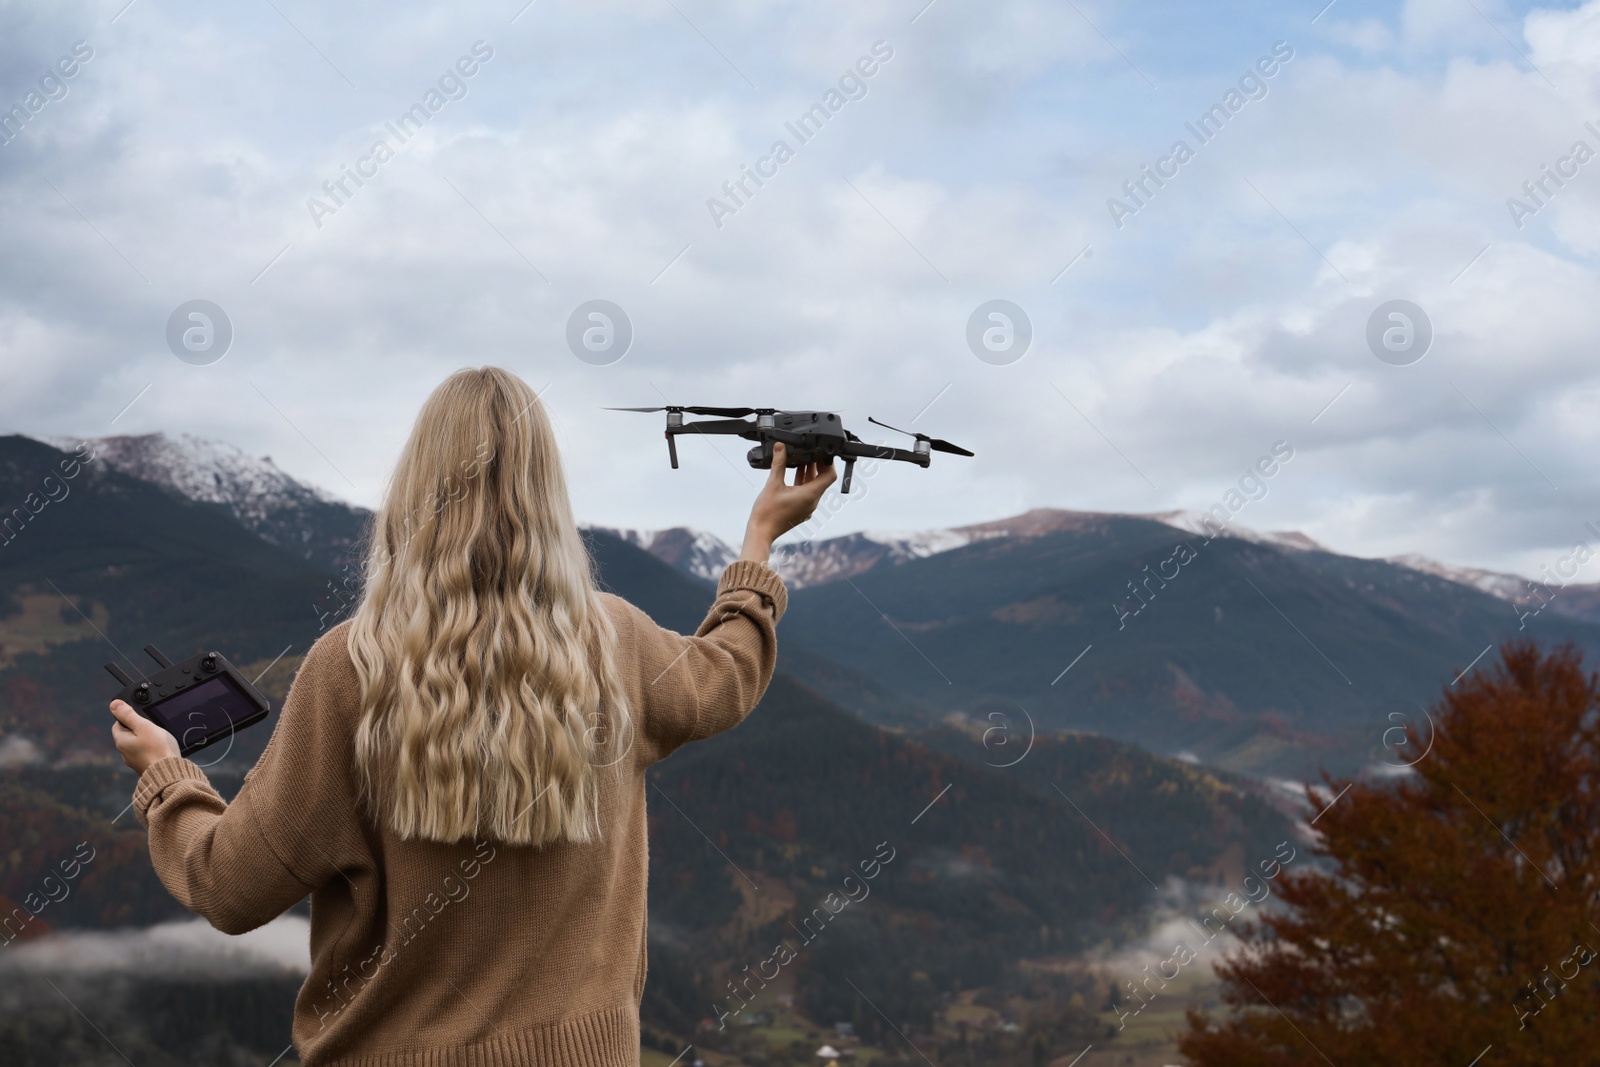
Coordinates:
<point>1176,336</point>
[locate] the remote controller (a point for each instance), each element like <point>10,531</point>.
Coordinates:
<point>200,701</point>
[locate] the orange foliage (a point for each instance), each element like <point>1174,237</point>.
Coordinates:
<point>1458,915</point>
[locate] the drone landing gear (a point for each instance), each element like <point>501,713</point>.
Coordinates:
<point>849,469</point>
<point>672,450</point>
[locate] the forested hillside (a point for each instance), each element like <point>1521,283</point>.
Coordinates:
<point>1259,657</point>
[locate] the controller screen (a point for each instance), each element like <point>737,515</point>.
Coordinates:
<point>208,711</point>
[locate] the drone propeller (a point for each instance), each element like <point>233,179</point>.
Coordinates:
<point>727,413</point>
<point>935,443</point>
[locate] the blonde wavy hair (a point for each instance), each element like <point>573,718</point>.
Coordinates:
<point>489,687</point>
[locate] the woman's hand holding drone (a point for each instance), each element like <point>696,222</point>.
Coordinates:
<point>781,507</point>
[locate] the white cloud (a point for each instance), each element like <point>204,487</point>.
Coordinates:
<point>19,751</point>
<point>1205,330</point>
<point>185,947</point>
<point>1369,36</point>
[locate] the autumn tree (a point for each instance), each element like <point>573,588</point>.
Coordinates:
<point>1454,917</point>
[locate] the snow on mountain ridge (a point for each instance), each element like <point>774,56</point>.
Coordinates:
<point>1196,522</point>
<point>203,469</point>
<point>1576,600</point>
<point>1512,587</point>
<point>813,562</point>
<point>801,563</point>
<point>283,510</point>
<point>917,544</point>
<point>702,554</point>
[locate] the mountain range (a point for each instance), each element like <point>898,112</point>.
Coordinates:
<point>298,517</point>
<point>703,555</point>
<point>1012,840</point>
<point>1263,653</point>
<point>1056,721</point>
<point>304,518</point>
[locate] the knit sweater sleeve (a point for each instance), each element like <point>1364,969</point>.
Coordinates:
<point>691,687</point>
<point>293,825</point>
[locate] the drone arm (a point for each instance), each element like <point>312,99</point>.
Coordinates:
<point>864,450</point>
<point>705,426</point>
<point>729,426</point>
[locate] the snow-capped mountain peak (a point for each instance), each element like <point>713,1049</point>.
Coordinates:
<point>702,554</point>
<point>203,469</point>
<point>277,506</point>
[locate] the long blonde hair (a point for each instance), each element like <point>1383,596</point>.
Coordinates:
<point>489,688</point>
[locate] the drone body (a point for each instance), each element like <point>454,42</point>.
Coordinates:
<point>807,436</point>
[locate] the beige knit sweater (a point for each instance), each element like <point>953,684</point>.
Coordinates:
<point>478,954</point>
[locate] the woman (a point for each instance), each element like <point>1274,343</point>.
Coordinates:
<point>457,775</point>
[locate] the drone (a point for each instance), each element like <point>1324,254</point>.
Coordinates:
<point>807,436</point>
